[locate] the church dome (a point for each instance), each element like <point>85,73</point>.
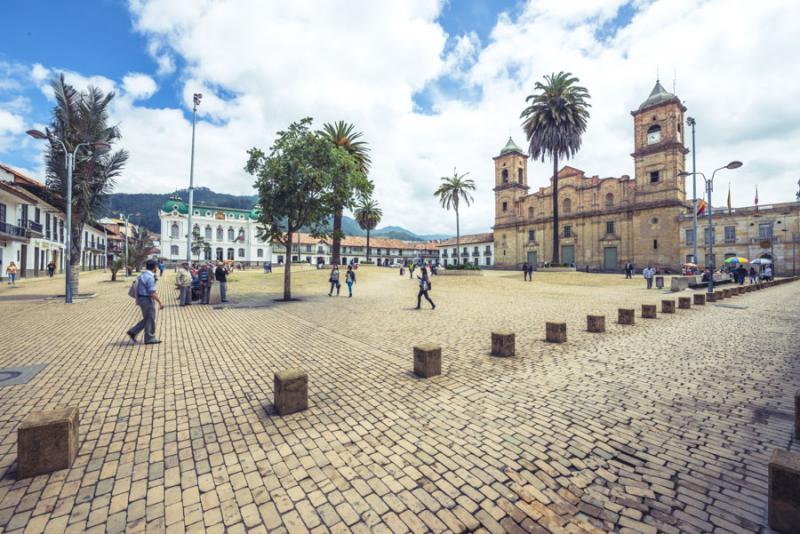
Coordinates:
<point>175,203</point>
<point>658,95</point>
<point>254,213</point>
<point>510,148</point>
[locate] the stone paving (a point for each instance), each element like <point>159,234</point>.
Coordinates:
<point>663,426</point>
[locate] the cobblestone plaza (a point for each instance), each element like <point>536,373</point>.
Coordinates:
<point>663,426</point>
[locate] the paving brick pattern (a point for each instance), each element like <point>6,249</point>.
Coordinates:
<point>664,426</point>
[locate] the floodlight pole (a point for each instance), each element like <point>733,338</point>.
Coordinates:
<point>196,100</point>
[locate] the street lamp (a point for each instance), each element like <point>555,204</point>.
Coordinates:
<point>709,188</point>
<point>99,147</point>
<point>196,100</point>
<point>691,122</point>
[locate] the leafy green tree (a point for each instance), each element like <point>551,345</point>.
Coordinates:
<point>81,118</point>
<point>140,247</point>
<point>453,190</point>
<point>116,266</point>
<point>297,186</point>
<point>199,244</point>
<point>554,121</point>
<point>345,136</point>
<point>368,215</point>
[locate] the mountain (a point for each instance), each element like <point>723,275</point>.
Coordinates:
<point>149,204</point>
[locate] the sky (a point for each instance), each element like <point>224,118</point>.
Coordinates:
<point>434,86</point>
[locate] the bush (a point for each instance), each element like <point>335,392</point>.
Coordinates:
<point>463,267</point>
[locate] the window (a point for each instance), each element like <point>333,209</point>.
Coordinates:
<point>488,261</point>
<point>730,234</point>
<point>241,235</point>
<point>308,248</point>
<point>220,233</point>
<point>531,235</point>
<point>2,213</point>
<point>241,253</point>
<point>567,205</point>
<point>260,253</point>
<point>530,213</point>
<point>195,230</point>
<point>519,175</point>
<point>689,237</point>
<point>47,225</point>
<point>655,176</point>
<point>609,200</point>
<point>24,215</point>
<point>230,253</point>
<point>505,176</point>
<point>174,231</point>
<point>173,250</point>
<point>653,134</point>
<point>37,215</point>
<point>208,232</point>
<point>765,231</point>
<point>655,244</point>
<point>610,227</point>
<point>505,206</point>
<point>231,236</point>
<point>85,239</point>
<point>61,230</point>
<point>567,230</point>
<point>709,236</point>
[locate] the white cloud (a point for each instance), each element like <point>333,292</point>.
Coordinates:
<point>138,86</point>
<point>11,126</point>
<point>261,65</point>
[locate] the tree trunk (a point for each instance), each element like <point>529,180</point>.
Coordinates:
<point>287,269</point>
<point>75,258</point>
<point>367,244</point>
<point>555,261</point>
<point>337,236</point>
<point>458,239</point>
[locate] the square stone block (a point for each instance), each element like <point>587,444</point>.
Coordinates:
<point>596,323</point>
<point>700,299</point>
<point>427,360</point>
<point>712,297</point>
<point>291,391</point>
<point>726,293</point>
<point>648,311</point>
<point>556,332</point>
<point>684,303</point>
<point>626,316</point>
<point>784,491</point>
<point>47,442</point>
<point>503,343</point>
<point>667,306</point>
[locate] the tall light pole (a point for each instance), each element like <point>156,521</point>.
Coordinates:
<point>710,237</point>
<point>196,99</point>
<point>691,122</point>
<point>99,147</point>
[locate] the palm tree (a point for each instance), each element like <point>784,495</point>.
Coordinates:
<point>554,121</point>
<point>368,215</point>
<point>345,136</point>
<point>453,190</point>
<point>81,118</point>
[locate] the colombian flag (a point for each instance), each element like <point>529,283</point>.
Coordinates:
<point>701,207</point>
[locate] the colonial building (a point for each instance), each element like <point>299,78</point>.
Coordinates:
<point>232,234</point>
<point>477,249</point>
<point>384,252</point>
<point>603,222</point>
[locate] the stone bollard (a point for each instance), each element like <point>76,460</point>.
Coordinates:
<point>556,332</point>
<point>699,299</point>
<point>784,491</point>
<point>503,343</point>
<point>47,442</point>
<point>648,311</point>
<point>684,303</point>
<point>667,306</point>
<point>291,391</point>
<point>427,360</point>
<point>626,316</point>
<point>596,323</point>
<point>712,297</point>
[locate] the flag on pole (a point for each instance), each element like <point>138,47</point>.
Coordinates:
<point>729,198</point>
<point>701,207</point>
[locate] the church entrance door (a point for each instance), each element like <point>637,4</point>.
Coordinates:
<point>610,260</point>
<point>568,254</point>
<point>532,258</point>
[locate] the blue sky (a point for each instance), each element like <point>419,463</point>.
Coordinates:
<point>433,85</point>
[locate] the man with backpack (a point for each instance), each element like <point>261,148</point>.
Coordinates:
<point>144,290</point>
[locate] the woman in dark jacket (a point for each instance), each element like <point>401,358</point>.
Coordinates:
<point>424,287</point>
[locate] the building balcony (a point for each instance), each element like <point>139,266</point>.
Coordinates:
<point>487,252</point>
<point>10,231</point>
<point>33,229</point>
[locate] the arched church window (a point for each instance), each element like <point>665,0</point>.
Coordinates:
<point>231,235</point>
<point>530,213</point>
<point>220,233</point>
<point>567,206</point>
<point>208,232</point>
<point>653,134</point>
<point>609,200</point>
<point>519,175</point>
<point>505,176</point>
<point>174,231</point>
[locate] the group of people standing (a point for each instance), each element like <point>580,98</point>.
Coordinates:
<point>527,272</point>
<point>195,282</point>
<point>349,279</point>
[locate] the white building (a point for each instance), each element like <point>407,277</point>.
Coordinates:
<point>477,249</point>
<point>231,233</point>
<point>382,251</point>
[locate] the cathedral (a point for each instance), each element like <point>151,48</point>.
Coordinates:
<point>603,222</point>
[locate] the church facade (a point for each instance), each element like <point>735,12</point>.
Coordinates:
<point>603,222</point>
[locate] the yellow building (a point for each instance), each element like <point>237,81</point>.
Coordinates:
<point>603,222</point>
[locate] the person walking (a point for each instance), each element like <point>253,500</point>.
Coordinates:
<point>648,273</point>
<point>424,287</point>
<point>221,275</point>
<point>11,272</point>
<point>350,279</point>
<point>530,272</point>
<point>411,268</point>
<point>753,275</point>
<point>334,280</point>
<point>161,268</point>
<point>525,272</point>
<point>146,299</point>
<point>184,282</point>
<point>51,269</point>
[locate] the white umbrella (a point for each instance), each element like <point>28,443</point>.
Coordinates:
<point>761,261</point>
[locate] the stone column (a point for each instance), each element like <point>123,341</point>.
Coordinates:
<point>667,306</point>
<point>684,303</point>
<point>699,299</point>
<point>427,360</point>
<point>503,343</point>
<point>648,311</point>
<point>47,442</point>
<point>556,332</point>
<point>291,391</point>
<point>596,323</point>
<point>626,316</point>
